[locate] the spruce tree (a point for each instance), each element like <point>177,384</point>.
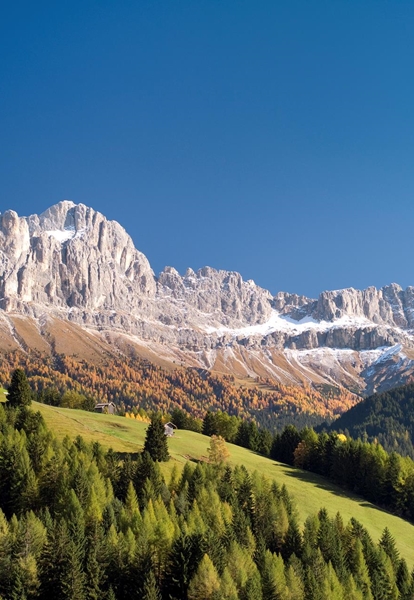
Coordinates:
<point>273,577</point>
<point>209,424</point>
<point>111,594</point>
<point>73,577</point>
<point>19,393</point>
<point>359,569</point>
<point>294,579</point>
<point>292,543</point>
<point>184,558</point>
<point>156,441</point>
<point>205,584</point>
<point>404,581</point>
<point>95,563</point>
<point>387,542</point>
<point>228,589</point>
<point>151,590</point>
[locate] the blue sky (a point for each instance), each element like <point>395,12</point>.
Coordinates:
<point>274,138</point>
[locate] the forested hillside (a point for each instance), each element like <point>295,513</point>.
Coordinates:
<point>135,383</point>
<point>79,522</point>
<point>387,418</point>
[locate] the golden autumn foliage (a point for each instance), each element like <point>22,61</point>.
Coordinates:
<point>134,383</point>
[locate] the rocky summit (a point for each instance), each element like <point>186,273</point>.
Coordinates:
<point>72,281</point>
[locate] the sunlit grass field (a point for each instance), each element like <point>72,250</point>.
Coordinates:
<point>2,395</point>
<point>310,491</point>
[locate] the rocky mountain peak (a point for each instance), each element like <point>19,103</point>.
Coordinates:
<point>69,256</point>
<point>71,262</point>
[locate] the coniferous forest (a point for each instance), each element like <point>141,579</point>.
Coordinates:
<point>387,417</point>
<point>78,522</point>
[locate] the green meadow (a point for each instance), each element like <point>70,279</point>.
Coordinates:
<point>2,395</point>
<point>311,492</point>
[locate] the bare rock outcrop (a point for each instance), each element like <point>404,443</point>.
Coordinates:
<point>71,257</point>
<point>72,263</point>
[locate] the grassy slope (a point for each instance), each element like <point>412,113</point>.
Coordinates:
<point>310,491</point>
<point>2,395</point>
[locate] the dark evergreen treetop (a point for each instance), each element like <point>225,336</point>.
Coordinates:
<point>19,393</point>
<point>156,441</point>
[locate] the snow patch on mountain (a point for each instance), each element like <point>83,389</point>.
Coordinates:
<point>278,322</point>
<point>64,235</point>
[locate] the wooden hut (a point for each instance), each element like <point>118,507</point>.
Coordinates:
<point>107,408</point>
<point>169,429</point>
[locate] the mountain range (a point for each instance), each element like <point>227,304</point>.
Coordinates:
<point>73,282</point>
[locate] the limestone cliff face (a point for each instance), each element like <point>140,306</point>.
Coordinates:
<point>71,262</point>
<point>222,295</point>
<point>390,305</point>
<point>70,257</point>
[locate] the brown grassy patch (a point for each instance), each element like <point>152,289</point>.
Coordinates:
<point>30,334</point>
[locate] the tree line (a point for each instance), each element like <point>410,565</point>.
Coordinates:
<point>78,522</point>
<point>386,479</point>
<point>133,383</point>
<point>386,417</point>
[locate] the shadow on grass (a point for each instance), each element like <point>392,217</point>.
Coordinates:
<point>324,484</point>
<point>118,426</point>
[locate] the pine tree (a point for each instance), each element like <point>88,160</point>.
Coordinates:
<point>5,555</point>
<point>181,501</point>
<point>265,442</point>
<point>151,590</point>
<point>156,441</point>
<point>273,577</point>
<point>209,425</point>
<point>19,393</point>
<point>228,589</point>
<point>124,475</point>
<point>243,435</point>
<point>253,588</point>
<point>351,590</point>
<point>195,483</point>
<point>53,560</point>
<point>383,584</point>
<point>387,542</point>
<point>111,594</point>
<point>14,469</point>
<point>359,570</point>
<point>183,562</point>
<point>95,563</point>
<point>18,591</point>
<point>73,577</point>
<point>331,586</point>
<point>294,580</point>
<point>245,494</point>
<point>404,581</point>
<point>205,584</point>
<point>315,577</point>
<point>131,514</point>
<point>292,543</point>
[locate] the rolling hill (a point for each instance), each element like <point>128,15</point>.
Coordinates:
<point>310,491</point>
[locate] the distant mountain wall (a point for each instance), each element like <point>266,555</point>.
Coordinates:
<point>71,263</point>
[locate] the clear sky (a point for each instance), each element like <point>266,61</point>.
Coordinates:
<point>274,138</point>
